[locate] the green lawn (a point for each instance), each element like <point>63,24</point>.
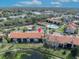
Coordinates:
<point>50,53</point>
<point>58,53</point>
<point>26,46</point>
<point>61,28</point>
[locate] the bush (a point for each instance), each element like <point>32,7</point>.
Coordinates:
<point>64,52</point>
<point>74,52</point>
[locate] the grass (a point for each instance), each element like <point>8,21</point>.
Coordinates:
<point>60,53</point>
<point>1,56</point>
<point>20,53</point>
<point>15,55</point>
<point>48,52</point>
<point>61,28</point>
<point>26,46</point>
<point>4,47</point>
<point>52,52</point>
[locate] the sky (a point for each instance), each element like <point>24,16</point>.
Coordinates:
<point>40,3</point>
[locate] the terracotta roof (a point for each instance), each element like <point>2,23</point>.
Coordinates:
<point>25,35</point>
<point>64,39</point>
<point>76,41</point>
<point>72,25</point>
<point>52,37</point>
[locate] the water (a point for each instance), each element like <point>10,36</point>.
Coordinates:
<point>34,55</point>
<point>53,26</point>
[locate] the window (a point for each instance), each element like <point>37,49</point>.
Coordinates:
<point>28,40</point>
<point>40,41</point>
<point>19,40</point>
<point>35,40</point>
<point>31,40</point>
<point>0,39</point>
<point>24,40</point>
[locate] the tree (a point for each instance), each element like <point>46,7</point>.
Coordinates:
<point>25,29</point>
<point>74,52</point>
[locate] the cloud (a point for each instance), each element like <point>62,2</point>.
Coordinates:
<point>55,3</point>
<point>61,0</point>
<point>19,5</point>
<point>66,0</point>
<point>31,2</point>
<point>24,3</point>
<point>75,0</point>
<point>57,6</point>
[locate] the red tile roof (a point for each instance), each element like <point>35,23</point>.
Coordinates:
<point>26,35</point>
<point>53,38</point>
<point>64,39</point>
<point>72,25</point>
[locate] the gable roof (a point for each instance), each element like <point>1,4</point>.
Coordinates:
<point>64,39</point>
<point>51,37</point>
<point>26,35</point>
<point>72,25</point>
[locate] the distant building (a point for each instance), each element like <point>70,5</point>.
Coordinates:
<point>76,21</point>
<point>55,20</point>
<point>18,16</point>
<point>37,13</point>
<point>48,12</point>
<point>3,18</point>
<point>77,16</point>
<point>1,37</point>
<point>71,28</point>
